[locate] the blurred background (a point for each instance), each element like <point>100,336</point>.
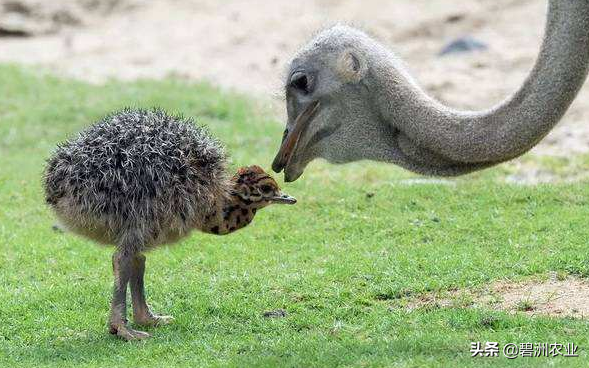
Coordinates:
<point>488,46</point>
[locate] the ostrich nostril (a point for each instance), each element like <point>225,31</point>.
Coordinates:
<point>284,135</point>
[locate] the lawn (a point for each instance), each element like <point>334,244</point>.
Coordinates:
<point>359,240</point>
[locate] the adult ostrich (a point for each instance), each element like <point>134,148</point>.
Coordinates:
<point>349,98</point>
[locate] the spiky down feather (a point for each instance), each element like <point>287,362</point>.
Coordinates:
<point>135,175</point>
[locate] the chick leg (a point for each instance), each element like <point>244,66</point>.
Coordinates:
<point>142,315</point>
<point>121,263</point>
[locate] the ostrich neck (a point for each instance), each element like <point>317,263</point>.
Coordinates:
<point>229,215</point>
<point>429,133</point>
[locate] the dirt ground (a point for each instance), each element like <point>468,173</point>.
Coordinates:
<point>556,296</point>
<point>246,44</point>
<point>569,297</point>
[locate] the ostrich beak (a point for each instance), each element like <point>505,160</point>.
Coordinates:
<point>283,199</point>
<point>291,138</point>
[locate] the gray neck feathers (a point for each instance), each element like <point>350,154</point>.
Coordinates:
<point>434,139</point>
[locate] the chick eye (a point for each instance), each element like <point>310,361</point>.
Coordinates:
<point>266,188</point>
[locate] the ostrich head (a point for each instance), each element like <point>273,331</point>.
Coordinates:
<point>256,189</point>
<point>325,89</point>
<point>348,98</point>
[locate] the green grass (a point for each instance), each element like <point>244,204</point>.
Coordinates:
<point>336,262</point>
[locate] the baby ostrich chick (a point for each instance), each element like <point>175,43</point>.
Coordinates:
<point>139,179</point>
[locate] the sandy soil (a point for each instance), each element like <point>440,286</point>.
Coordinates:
<point>246,44</point>
<point>555,297</point>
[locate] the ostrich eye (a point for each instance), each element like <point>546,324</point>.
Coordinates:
<point>266,188</point>
<point>300,81</point>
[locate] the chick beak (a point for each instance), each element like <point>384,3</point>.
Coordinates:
<point>282,198</point>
